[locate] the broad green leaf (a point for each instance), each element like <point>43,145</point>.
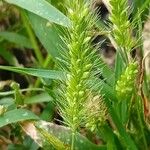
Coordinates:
<point>47,33</point>
<point>51,140</point>
<point>43,97</point>
<point>43,9</point>
<point>16,38</point>
<point>63,134</point>
<point>43,73</point>
<point>16,115</point>
<point>6,101</point>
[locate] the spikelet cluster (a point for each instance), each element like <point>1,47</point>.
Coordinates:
<point>126,83</point>
<point>79,64</point>
<point>96,112</point>
<point>121,26</point>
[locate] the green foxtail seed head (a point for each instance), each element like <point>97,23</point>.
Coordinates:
<point>79,57</point>
<point>121,28</point>
<point>125,84</point>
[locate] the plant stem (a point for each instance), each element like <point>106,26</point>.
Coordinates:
<point>138,102</point>
<point>72,140</point>
<point>32,37</point>
<point>129,143</point>
<point>37,51</point>
<point>22,90</point>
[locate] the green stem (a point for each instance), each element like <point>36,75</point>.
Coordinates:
<point>72,140</point>
<point>32,37</point>
<point>47,61</point>
<point>37,51</point>
<point>138,102</point>
<point>129,143</point>
<point>22,90</point>
<point>107,134</point>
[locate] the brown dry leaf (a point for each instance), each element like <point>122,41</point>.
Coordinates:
<point>30,129</point>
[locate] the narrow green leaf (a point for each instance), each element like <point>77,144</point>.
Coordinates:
<point>119,67</point>
<point>43,97</point>
<point>101,86</point>
<point>43,9</point>
<point>6,101</point>
<point>16,115</point>
<point>106,72</point>
<point>108,136</point>
<point>43,73</point>
<point>48,112</point>
<point>141,7</point>
<point>8,56</point>
<point>123,135</point>
<point>47,33</point>
<point>16,38</point>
